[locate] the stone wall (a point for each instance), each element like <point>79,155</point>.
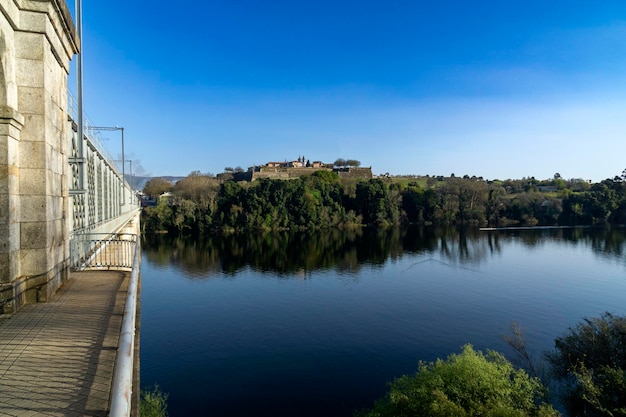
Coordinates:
<point>284,173</point>
<point>291,173</point>
<point>37,42</point>
<point>354,172</point>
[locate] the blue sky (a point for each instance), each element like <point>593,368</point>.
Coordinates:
<point>496,89</point>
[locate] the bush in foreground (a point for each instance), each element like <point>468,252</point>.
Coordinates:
<point>590,361</point>
<point>153,403</point>
<point>465,385</point>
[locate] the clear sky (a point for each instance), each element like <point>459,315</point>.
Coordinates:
<point>499,89</point>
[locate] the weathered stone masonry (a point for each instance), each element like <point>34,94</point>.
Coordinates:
<point>37,42</point>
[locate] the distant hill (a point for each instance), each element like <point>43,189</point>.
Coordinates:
<point>137,183</point>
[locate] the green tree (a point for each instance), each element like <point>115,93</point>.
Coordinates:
<point>326,176</point>
<point>201,189</point>
<point>184,215</point>
<point>495,204</point>
<point>340,162</point>
<point>469,384</point>
<point>158,219</point>
<point>374,203</point>
<point>412,204</point>
<point>157,186</point>
<point>590,361</point>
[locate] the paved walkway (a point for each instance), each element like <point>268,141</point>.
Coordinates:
<point>57,358</point>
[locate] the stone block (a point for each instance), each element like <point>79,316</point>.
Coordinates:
<point>5,239</point>
<point>55,137</point>
<point>34,235</point>
<point>14,239</point>
<point>54,208</point>
<point>35,22</point>
<point>32,155</point>
<point>11,12</point>
<point>14,209</point>
<point>4,209</point>
<point>32,101</point>
<point>9,260</point>
<point>34,261</point>
<point>60,47</point>
<point>5,270</point>
<point>5,128</point>
<point>26,288</point>
<point>54,182</point>
<point>31,295</point>
<point>54,159</point>
<point>58,234</point>
<point>36,127</point>
<point>33,181</point>
<point>11,124</point>
<point>66,251</point>
<point>13,153</point>
<point>4,179</point>
<point>33,208</point>
<point>4,150</point>
<point>29,45</point>
<point>29,73</point>
<point>49,81</point>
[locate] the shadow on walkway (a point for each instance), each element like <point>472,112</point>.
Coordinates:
<point>58,358</point>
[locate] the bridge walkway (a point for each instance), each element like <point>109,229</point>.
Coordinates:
<point>58,358</point>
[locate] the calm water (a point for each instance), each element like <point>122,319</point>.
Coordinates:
<point>316,324</point>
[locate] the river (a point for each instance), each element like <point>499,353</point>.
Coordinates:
<point>316,324</point>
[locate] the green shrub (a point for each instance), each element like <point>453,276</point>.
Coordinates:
<point>153,403</point>
<point>465,385</point>
<point>590,362</point>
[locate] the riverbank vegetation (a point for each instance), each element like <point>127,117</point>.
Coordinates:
<point>588,367</point>
<point>201,203</point>
<point>589,361</point>
<point>153,403</point>
<point>465,385</point>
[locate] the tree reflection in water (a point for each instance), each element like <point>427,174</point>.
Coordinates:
<point>347,251</point>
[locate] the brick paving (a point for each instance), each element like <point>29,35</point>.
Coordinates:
<point>58,358</point>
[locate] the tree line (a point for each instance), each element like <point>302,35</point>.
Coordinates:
<point>201,203</point>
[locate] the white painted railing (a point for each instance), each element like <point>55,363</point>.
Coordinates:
<point>103,251</point>
<point>121,395</point>
<point>116,251</point>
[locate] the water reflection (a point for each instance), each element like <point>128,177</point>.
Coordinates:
<point>348,251</point>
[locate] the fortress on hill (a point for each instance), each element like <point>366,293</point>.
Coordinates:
<point>295,169</point>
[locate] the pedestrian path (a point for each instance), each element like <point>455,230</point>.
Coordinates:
<point>58,358</point>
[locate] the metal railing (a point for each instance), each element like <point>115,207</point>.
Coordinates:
<point>103,251</point>
<point>121,395</point>
<point>118,251</point>
<point>93,135</point>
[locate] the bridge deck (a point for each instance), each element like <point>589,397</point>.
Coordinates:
<point>58,358</point>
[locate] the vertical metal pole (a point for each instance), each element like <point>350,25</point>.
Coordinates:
<point>79,74</point>
<point>123,172</point>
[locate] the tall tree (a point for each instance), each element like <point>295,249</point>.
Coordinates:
<point>157,186</point>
